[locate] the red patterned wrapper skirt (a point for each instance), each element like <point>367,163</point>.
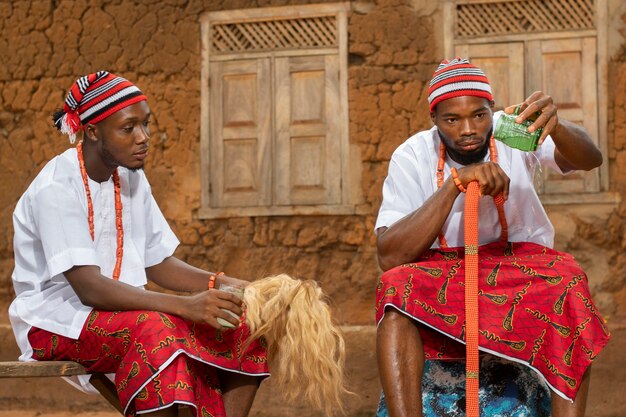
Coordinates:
<point>534,308</point>
<point>158,359</point>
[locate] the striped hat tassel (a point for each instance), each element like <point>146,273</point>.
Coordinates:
<point>70,125</point>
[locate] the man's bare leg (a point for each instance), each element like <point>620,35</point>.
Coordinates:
<point>400,364</point>
<point>563,408</point>
<point>238,392</point>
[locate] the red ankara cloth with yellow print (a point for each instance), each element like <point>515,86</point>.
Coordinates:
<point>158,359</point>
<point>534,308</point>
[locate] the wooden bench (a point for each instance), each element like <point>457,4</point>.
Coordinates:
<point>58,369</point>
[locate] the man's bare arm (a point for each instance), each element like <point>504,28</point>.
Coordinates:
<point>407,239</point>
<point>102,293</point>
<point>177,275</point>
<point>574,147</point>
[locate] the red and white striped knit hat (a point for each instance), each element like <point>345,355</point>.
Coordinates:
<point>457,78</point>
<point>93,98</point>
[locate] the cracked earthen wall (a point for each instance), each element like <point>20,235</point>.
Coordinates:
<point>394,47</point>
<point>47,44</point>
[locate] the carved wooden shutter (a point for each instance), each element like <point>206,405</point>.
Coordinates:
<point>545,62</point>
<point>564,54</point>
<point>274,125</point>
<point>240,114</point>
<point>308,165</point>
<point>566,69</point>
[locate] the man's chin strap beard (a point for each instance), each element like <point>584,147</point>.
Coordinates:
<point>467,159</point>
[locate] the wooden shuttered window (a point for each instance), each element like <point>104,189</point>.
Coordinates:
<point>561,51</point>
<point>274,137</point>
<point>563,68</point>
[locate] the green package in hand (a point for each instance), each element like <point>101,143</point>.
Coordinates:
<point>516,135</point>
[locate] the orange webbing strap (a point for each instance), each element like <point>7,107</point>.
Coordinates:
<point>471,300</point>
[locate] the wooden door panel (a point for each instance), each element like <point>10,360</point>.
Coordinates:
<point>308,164</point>
<point>241,169</point>
<point>566,70</point>
<point>240,126</point>
<point>307,97</point>
<point>240,99</point>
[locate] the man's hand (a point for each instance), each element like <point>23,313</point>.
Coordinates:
<point>537,102</point>
<point>489,175</point>
<point>207,307</point>
<point>575,148</point>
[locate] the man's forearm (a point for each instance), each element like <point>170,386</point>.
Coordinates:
<point>176,275</point>
<point>408,238</point>
<point>103,293</point>
<point>574,147</point>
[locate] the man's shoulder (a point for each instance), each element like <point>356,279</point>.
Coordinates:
<point>54,179</point>
<point>57,171</point>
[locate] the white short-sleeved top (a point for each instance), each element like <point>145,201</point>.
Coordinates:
<point>52,235</point>
<point>412,179</point>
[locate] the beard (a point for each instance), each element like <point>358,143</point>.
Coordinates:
<point>466,158</point>
<point>113,162</point>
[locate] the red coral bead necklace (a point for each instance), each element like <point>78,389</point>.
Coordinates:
<point>499,200</point>
<point>119,253</point>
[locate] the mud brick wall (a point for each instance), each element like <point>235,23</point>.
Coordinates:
<point>47,44</point>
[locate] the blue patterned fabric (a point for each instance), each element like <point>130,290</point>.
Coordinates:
<point>507,389</point>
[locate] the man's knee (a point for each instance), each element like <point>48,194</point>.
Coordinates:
<point>393,320</point>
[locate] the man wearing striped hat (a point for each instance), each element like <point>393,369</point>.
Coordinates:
<point>534,302</point>
<point>88,237</point>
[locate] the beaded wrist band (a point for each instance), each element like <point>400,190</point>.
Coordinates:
<point>457,181</point>
<point>213,277</point>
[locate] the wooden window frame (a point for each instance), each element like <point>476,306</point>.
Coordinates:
<point>600,32</point>
<point>348,198</point>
